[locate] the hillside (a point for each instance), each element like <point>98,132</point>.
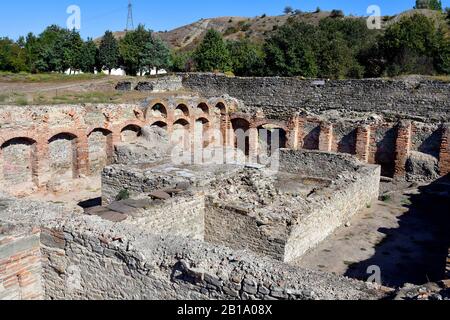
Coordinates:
<point>255,29</point>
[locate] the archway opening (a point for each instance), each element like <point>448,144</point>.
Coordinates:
<point>271,138</point>
<point>202,110</point>
<point>182,111</point>
<point>130,133</point>
<point>63,156</point>
<point>201,133</point>
<point>100,150</point>
<point>159,111</point>
<point>241,131</point>
<point>19,162</point>
<point>181,134</point>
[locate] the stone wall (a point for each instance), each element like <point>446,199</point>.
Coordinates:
<point>20,264</point>
<point>281,97</point>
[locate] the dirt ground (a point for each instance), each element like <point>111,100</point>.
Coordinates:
<point>406,234</point>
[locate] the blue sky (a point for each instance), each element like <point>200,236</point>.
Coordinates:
<point>22,16</point>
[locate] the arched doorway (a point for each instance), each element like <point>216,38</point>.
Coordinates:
<point>19,161</point>
<point>63,156</point>
<point>241,131</point>
<point>130,133</point>
<point>158,111</point>
<point>101,150</point>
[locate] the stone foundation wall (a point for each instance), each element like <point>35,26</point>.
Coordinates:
<point>332,208</point>
<point>86,266</point>
<point>20,266</point>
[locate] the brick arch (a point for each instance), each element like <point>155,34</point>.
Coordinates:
<point>100,149</point>
<point>61,163</point>
<point>133,126</point>
<point>203,110</point>
<point>152,105</point>
<point>22,168</point>
<point>182,107</point>
<point>221,106</point>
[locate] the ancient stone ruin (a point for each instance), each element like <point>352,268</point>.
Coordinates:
<point>211,188</point>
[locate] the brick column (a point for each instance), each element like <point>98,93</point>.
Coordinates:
<point>293,136</point>
<point>444,156</point>
<point>363,143</point>
<point>402,147</point>
<point>82,152</point>
<point>326,137</point>
<point>40,163</point>
<point>253,148</point>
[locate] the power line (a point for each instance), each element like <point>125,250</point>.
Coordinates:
<point>130,22</point>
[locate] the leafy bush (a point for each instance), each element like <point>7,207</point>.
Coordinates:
<point>337,14</point>
<point>124,194</point>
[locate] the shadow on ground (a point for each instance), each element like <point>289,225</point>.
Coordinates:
<point>416,251</point>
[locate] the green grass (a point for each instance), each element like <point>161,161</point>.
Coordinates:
<point>46,77</point>
<point>386,198</point>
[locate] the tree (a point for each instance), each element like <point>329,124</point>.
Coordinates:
<point>72,50</point>
<point>182,61</point>
<point>289,51</point>
<point>133,49</point>
<point>156,54</point>
<point>429,4</point>
<point>288,10</point>
<point>108,53</point>
<point>247,59</point>
<point>12,57</point>
<point>212,54</point>
<point>413,45</point>
<point>89,56</point>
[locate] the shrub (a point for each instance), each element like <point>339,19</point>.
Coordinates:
<point>124,194</point>
<point>337,14</point>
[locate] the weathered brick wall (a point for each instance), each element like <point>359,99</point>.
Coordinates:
<point>20,266</point>
<point>41,146</point>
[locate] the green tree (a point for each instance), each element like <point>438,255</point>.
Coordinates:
<point>12,56</point>
<point>429,4</point>
<point>156,54</point>
<point>108,53</point>
<point>289,51</point>
<point>247,59</point>
<point>212,54</point>
<point>89,56</point>
<point>182,61</point>
<point>133,50</point>
<point>412,46</point>
<point>73,46</point>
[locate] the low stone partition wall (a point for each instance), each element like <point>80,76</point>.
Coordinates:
<point>352,190</point>
<point>182,216</point>
<point>86,257</point>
